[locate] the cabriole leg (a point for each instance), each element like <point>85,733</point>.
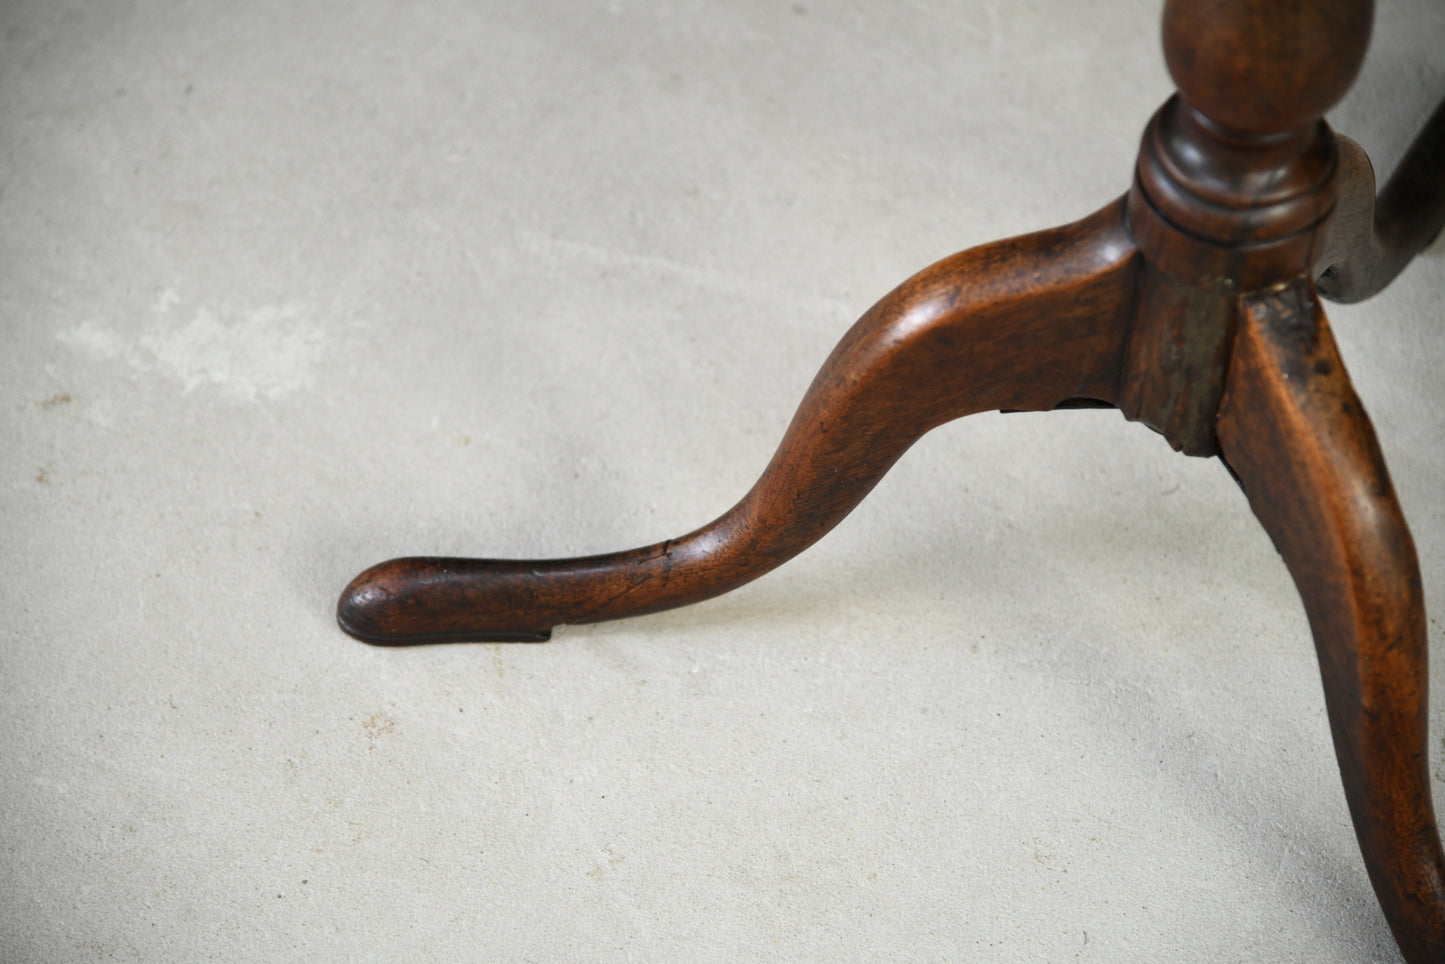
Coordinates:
<point>1294,433</point>
<point>1020,324</point>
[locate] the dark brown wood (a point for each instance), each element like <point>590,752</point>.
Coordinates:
<point>1373,240</point>
<point>1021,324</point>
<point>1189,304</point>
<point>1257,68</point>
<point>1298,440</point>
<point>1177,357</point>
<point>1233,188</point>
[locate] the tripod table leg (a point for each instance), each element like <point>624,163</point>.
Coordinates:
<point>1374,238</point>
<point>1293,431</point>
<point>1026,323</point>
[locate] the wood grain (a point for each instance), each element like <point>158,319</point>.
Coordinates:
<point>1296,437</point>
<point>1026,323</point>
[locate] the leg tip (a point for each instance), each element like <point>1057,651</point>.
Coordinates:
<point>409,602</point>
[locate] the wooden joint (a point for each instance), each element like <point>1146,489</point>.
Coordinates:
<point>1214,208</point>
<point>1216,214</point>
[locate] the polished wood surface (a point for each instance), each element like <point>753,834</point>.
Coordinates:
<point>1297,438</point>
<point>1021,324</point>
<point>1190,305</point>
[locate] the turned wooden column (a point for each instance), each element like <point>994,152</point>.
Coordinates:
<point>1234,210</point>
<point>1234,186</point>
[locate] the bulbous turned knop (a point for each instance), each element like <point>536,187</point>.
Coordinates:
<point>1257,69</point>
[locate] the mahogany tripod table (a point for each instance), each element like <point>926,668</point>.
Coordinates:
<point>1191,304</point>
